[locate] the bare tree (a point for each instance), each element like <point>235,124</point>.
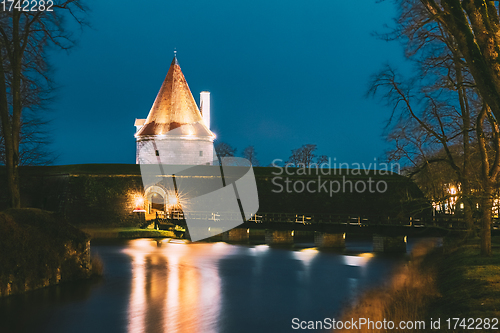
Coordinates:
<point>33,143</point>
<point>475,26</point>
<point>250,154</point>
<point>322,159</point>
<point>26,83</point>
<point>305,156</point>
<point>224,150</point>
<point>489,149</point>
<point>428,124</point>
<point>454,45</point>
<point>2,147</point>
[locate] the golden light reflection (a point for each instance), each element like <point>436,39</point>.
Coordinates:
<point>306,256</point>
<point>309,250</point>
<point>359,260</point>
<point>137,307</point>
<point>258,252</point>
<point>260,248</point>
<point>176,287</point>
<point>141,244</point>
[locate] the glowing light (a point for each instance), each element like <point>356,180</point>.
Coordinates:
<point>177,199</point>
<point>173,200</point>
<point>343,236</point>
<point>261,248</point>
<point>219,245</point>
<point>248,230</point>
<point>141,244</point>
<point>178,241</point>
<point>405,239</point>
<point>306,256</point>
<point>138,204</point>
<point>309,250</point>
<point>139,201</point>
<point>293,232</point>
<point>360,260</point>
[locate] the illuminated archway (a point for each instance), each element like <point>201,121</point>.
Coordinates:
<point>156,198</point>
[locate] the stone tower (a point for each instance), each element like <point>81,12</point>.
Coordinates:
<point>175,126</point>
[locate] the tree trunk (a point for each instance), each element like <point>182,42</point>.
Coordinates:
<point>11,145</point>
<point>469,220</point>
<point>13,180</point>
<point>464,175</point>
<point>486,208</point>
<point>24,41</point>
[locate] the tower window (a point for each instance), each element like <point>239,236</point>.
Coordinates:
<point>157,153</point>
<point>201,152</point>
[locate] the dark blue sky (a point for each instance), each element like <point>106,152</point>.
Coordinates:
<point>281,74</point>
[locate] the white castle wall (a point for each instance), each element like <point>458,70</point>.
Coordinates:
<point>176,151</point>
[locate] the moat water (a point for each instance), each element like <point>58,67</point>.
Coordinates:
<point>202,287</point>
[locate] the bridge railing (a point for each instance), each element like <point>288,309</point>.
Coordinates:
<point>444,221</point>
<point>269,217</point>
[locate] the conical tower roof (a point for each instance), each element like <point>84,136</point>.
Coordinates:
<point>174,107</point>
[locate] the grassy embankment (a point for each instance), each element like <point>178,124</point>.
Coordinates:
<point>126,233</point>
<point>469,285</point>
<point>449,282</point>
<point>39,249</point>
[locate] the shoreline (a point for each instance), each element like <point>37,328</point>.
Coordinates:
<point>437,283</point>
<point>39,250</point>
<point>126,233</point>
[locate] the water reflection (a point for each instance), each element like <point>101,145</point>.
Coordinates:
<point>306,255</point>
<point>151,286</point>
<point>175,287</point>
<point>358,270</point>
<point>138,299</point>
<point>358,260</point>
<point>178,288</point>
